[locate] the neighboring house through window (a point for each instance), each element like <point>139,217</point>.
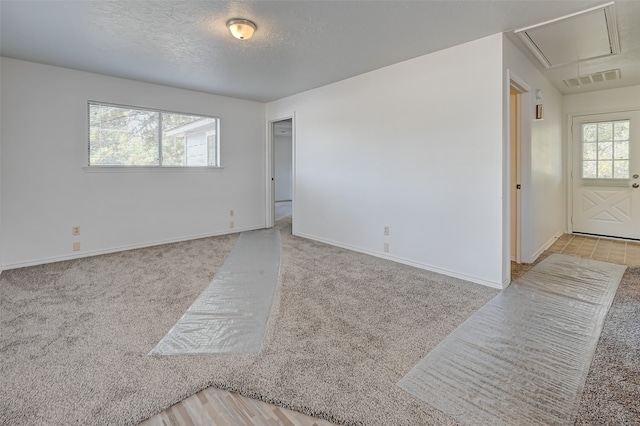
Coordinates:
<point>127,136</point>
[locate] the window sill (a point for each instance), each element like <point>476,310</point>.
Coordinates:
<point>148,169</point>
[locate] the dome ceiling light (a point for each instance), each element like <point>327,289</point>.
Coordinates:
<point>242,29</point>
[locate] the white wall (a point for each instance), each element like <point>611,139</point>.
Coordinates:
<point>1,174</point>
<point>416,146</point>
<point>283,167</point>
<point>543,168</point>
<point>603,101</point>
<point>45,190</point>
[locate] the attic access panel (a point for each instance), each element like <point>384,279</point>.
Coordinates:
<point>585,35</point>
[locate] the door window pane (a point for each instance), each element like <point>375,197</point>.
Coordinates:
<point>589,151</point>
<point>602,158</point>
<point>621,169</point>
<point>589,170</point>
<point>590,132</point>
<point>605,169</point>
<point>621,132</point>
<point>621,150</point>
<point>605,151</point>
<point>605,131</point>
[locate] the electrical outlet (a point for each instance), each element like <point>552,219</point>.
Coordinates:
<point>386,230</point>
<point>76,246</point>
<point>75,230</point>
<point>231,213</point>
<point>386,247</point>
<point>231,224</point>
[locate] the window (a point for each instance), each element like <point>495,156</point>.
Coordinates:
<point>126,136</point>
<point>605,150</point>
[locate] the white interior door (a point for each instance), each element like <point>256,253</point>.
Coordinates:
<point>606,174</point>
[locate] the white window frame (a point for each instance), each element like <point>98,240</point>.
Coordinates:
<point>603,180</point>
<point>154,168</point>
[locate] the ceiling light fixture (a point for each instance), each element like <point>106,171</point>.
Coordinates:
<point>242,29</point>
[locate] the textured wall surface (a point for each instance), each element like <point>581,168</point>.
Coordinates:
<point>416,146</point>
<point>46,191</point>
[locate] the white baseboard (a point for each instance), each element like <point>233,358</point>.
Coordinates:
<point>545,246</point>
<point>123,248</point>
<point>404,261</point>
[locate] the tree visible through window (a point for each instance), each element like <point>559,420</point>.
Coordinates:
<point>605,150</point>
<point>126,136</point>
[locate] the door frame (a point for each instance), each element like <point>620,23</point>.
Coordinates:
<point>523,170</point>
<point>523,251</point>
<point>515,180</point>
<point>270,187</point>
<point>571,152</point>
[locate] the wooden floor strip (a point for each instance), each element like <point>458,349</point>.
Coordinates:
<point>217,407</point>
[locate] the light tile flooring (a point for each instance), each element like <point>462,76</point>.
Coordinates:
<point>607,250</point>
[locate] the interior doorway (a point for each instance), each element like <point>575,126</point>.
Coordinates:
<point>282,160</point>
<point>280,170</point>
<point>517,183</point>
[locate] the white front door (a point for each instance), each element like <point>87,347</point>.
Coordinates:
<point>606,174</point>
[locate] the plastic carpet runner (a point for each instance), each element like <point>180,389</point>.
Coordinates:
<point>231,314</point>
<point>524,356</point>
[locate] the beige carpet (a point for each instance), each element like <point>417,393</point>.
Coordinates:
<point>231,314</point>
<point>346,327</point>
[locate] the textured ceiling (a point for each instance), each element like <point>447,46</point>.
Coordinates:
<point>299,45</point>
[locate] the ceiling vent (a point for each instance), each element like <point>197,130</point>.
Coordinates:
<point>589,34</point>
<point>598,77</point>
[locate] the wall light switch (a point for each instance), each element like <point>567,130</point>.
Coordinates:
<point>386,230</point>
<point>75,230</point>
<point>231,213</point>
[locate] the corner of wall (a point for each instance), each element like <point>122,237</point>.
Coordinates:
<point>543,175</point>
<point>1,239</point>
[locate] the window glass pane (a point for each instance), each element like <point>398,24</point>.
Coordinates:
<point>589,132</point>
<point>621,130</point>
<point>173,151</point>
<point>589,151</point>
<point>122,136</point>
<point>605,131</point>
<point>605,150</point>
<point>621,169</point>
<point>621,150</point>
<point>589,169</point>
<point>605,169</point>
<point>194,134</point>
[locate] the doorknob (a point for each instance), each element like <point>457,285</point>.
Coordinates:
<point>635,185</point>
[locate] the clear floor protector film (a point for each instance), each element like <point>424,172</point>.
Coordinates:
<point>524,356</point>
<point>231,314</point>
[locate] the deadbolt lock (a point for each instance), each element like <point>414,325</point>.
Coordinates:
<point>636,176</point>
